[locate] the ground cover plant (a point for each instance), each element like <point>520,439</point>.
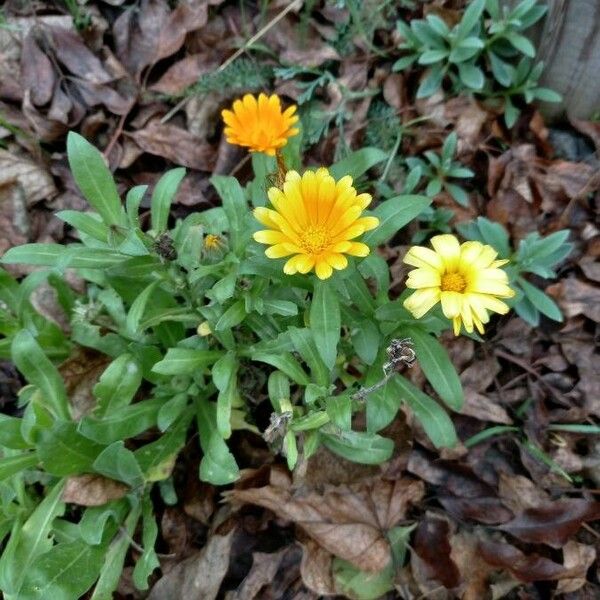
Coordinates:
<point>296,300</point>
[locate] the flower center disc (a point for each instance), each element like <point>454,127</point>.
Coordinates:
<point>315,240</point>
<point>453,282</point>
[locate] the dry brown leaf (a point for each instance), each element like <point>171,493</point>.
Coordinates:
<point>187,16</point>
<point>262,573</point>
<point>431,544</point>
<point>77,57</point>
<point>315,568</point>
<point>92,490</point>
<point>520,493</point>
<point>576,297</point>
<point>473,570</point>
<point>348,520</point>
<point>198,577</point>
<point>136,32</point>
<point>579,558</point>
<point>37,72</point>
<point>33,178</point>
<point>175,144</point>
<point>184,73</point>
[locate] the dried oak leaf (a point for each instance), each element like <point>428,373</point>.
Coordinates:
<point>184,73</point>
<point>579,558</point>
<point>519,493</point>
<point>432,545</point>
<point>488,509</point>
<point>349,521</point>
<point>316,568</point>
<point>92,490</point>
<point>33,178</point>
<point>37,72</point>
<point>175,144</point>
<point>576,297</point>
<point>473,570</point>
<point>199,576</point>
<point>553,523</point>
<point>525,567</point>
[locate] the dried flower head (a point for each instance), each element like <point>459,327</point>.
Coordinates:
<point>259,123</point>
<point>315,219</point>
<point>465,278</point>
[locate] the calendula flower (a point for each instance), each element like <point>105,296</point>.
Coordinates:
<point>465,278</point>
<point>213,242</point>
<point>315,219</point>
<point>260,124</point>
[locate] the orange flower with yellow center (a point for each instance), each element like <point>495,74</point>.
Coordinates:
<point>314,218</point>
<point>260,124</point>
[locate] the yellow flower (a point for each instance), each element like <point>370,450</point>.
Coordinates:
<point>465,278</point>
<point>259,125</point>
<point>314,219</point>
<point>212,242</point>
<point>204,329</point>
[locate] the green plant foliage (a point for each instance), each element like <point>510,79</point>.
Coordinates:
<point>535,255</point>
<point>440,169</point>
<point>182,327</point>
<point>486,53</point>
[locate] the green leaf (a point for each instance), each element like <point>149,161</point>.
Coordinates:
<point>114,560</point>
<point>366,340</point>
<point>286,363</point>
<point>439,370</point>
<point>132,203</point>
<point>121,424</point>
<point>339,409</point>
<point>170,410</point>
<point>235,206</point>
<point>470,18</point>
<point>435,421</point>
<point>541,301</point>
<point>521,43</point>
<point>162,197</point>
<point>357,163</point>
<point>290,449</point>
<point>10,433</point>
<point>359,446</point>
<point>138,307</point>
<point>305,346</point>
<point>547,95</point>
<point>382,404</point>
<point>86,223</point>
<point>527,311</point>
<point>502,71</point>
<point>233,316</point>
<point>28,541</point>
<point>66,572</point>
<point>393,214</point>
<point>157,459</point>
<point>35,254</point>
<point>96,520</point>
<point>224,375</point>
<point>10,465</point>
<point>117,385</point>
<point>458,193</point>
<point>38,370</point>
<point>94,179</point>
<point>218,465</point>
<point>398,538</point>
<point>471,75</point>
<point>431,82</point>
<point>64,451</point>
<point>430,57</point>
<point>361,585</point>
<point>117,462</point>
<point>148,561</point>
<point>185,361</point>
<point>325,321</point>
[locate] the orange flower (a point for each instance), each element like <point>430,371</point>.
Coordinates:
<point>259,125</point>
